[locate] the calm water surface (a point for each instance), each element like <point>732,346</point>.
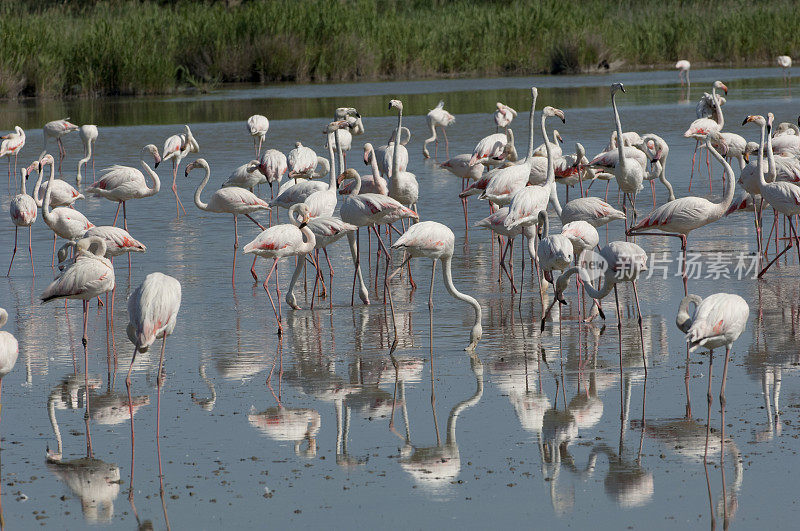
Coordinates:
<point>535,428</point>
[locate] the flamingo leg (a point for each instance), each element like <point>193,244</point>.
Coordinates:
<point>119,204</point>
<point>53,262</point>
<point>175,189</point>
<point>446,143</point>
<point>710,400</point>
<point>235,247</point>
<point>85,341</point>
<point>641,332</point>
<point>130,413</point>
<point>14,252</point>
<point>694,155</point>
<point>722,402</point>
<point>125,224</point>
<point>253,269</point>
<point>30,250</point>
<point>266,288</point>
<point>159,385</point>
<point>619,333</point>
<point>433,274</point>
<point>330,282</point>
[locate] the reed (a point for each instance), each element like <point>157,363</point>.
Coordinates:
<point>88,48</point>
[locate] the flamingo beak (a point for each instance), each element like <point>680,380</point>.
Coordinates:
<point>725,89</point>
<point>750,118</point>
<point>339,179</point>
<point>560,114</point>
<point>747,157</point>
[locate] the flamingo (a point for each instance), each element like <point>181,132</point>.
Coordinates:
<point>88,134</point>
<point>23,210</point>
<point>301,161</point>
<point>495,222</point>
<point>176,148</point>
<point>718,320</point>
<point>245,176</point>
<point>683,67</point>
<point>784,197</point>
<point>9,350</point>
<point>123,183</point>
<point>327,230</point>
<point>629,173</point>
<point>403,185</point>
<point>12,144</point>
<point>278,241</point>
<point>554,252</point>
<point>65,222</point>
<point>64,194</point>
<point>624,262</point>
<point>372,184</point>
<point>593,210</point>
<point>430,239</point>
<point>232,200</point>
<point>118,240</point>
<point>504,184</point>
<point>555,146</point>
<point>152,313</point>
<point>707,106</point>
<point>273,165</point>
<point>788,143</point>
<point>438,117</point>
<point>385,153</point>
<point>785,62</point>
<point>786,128</point>
<point>322,202</point>
<point>89,276</point>
<point>657,150</point>
<point>489,150</point>
<point>701,127</point>
<point>368,210</point>
<point>56,129</point>
<point>681,216</point>
<point>504,115</point>
<point>257,126</point>
<point>350,114</point>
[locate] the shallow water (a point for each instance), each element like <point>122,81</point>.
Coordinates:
<point>527,430</point>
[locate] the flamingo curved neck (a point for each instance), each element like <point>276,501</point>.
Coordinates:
<point>530,127</point>
<point>85,159</point>
<point>199,190</point>
<point>51,413</point>
<point>376,172</point>
<point>727,199</point>
<point>620,148</point>
<point>773,172</point>
<point>338,152</point>
<point>608,284</point>
<point>718,117</point>
<point>153,176</point>
<point>46,202</point>
<point>310,240</point>
<point>551,172</point>
<point>447,273</point>
<point>684,319</point>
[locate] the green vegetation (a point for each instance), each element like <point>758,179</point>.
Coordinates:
<point>100,47</point>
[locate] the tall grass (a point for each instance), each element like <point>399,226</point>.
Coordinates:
<point>50,48</point>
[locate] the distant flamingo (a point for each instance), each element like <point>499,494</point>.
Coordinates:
<point>441,118</point>
<point>152,312</point>
<point>89,276</point>
<point>683,215</point>
<point>246,176</point>
<point>701,127</point>
<point>504,115</point>
<point>88,134</point>
<point>258,126</point>
<point>403,185</point>
<point>429,239</point>
<point>231,200</point>
<point>123,183</point>
<point>718,320</point>
<point>56,129</point>
<point>683,67</point>
<point>301,161</point>
<point>279,241</point>
<point>273,165</point>
<point>9,350</point>
<point>23,210</point>
<point>785,62</point>
<point>12,144</point>
<point>176,148</point>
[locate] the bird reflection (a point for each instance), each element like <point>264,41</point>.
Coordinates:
<point>436,466</point>
<point>296,425</point>
<point>206,403</point>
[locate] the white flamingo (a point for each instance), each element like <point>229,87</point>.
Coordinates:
<point>504,115</point>
<point>246,176</point>
<point>176,148</point>
<point>273,165</point>
<point>88,134</point>
<point>9,350</point>
<point>301,161</point>
<point>629,173</point>
<point>56,129</point>
<point>403,185</point>
<point>23,210</point>
<point>438,117</point>
<point>64,194</point>
<point>257,126</point>
<point>12,143</point>
<point>683,67</point>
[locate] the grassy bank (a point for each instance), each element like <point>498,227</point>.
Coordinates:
<point>115,47</point>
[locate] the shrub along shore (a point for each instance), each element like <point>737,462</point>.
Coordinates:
<point>91,48</point>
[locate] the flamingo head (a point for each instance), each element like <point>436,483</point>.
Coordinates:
<point>770,119</point>
<point>199,163</point>
<point>343,112</point>
<point>396,104</point>
<point>500,106</point>
<point>617,86</point>
<point>721,85</point>
<point>349,173</point>
<point>45,159</point>
<point>368,150</point>
<point>34,166</point>
<point>153,151</point>
<point>580,152</point>
<point>304,213</point>
<point>717,140</point>
<point>755,118</point>
<point>552,111</point>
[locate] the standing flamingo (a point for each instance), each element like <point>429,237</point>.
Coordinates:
<point>504,115</point>
<point>64,194</point>
<point>657,150</point>
<point>123,183</point>
<point>628,172</point>
<point>176,148</point>
<point>681,216</point>
<point>430,239</point>
<point>9,350</point>
<point>231,200</point>
<point>554,252</point>
<point>65,222</point>
<point>370,184</point>
<point>88,134</point>
<point>56,129</point>
<point>785,62</point>
<point>246,176</point>
<point>89,276</point>
<point>23,212</point>
<point>403,185</point>
<point>683,67</point>
<point>323,201</point>
<point>12,144</point>
<point>489,150</point>
<point>302,161</point>
<point>152,312</point>
<point>718,320</point>
<point>279,241</point>
<point>258,126</point>
<point>699,128</point>
<point>441,118</point>
<point>273,165</point>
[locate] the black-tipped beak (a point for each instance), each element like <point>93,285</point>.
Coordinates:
<point>156,164</point>
<point>745,120</point>
<point>622,88</point>
<point>357,114</point>
<point>303,224</point>
<point>542,327</point>
<point>600,312</point>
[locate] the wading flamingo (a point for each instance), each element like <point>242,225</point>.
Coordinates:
<point>403,185</point>
<point>9,350</point>
<point>683,67</point>
<point>246,176</point>
<point>64,194</point>
<point>231,200</point>
<point>441,118</point>
<point>628,172</point>
<point>273,165</point>
<point>88,134</point>
<point>302,161</point>
<point>504,115</point>
<point>701,127</point>
<point>176,148</point>
<point>12,144</point>
<point>23,210</point>
<point>56,129</point>
<point>785,62</point>
<point>257,126</point>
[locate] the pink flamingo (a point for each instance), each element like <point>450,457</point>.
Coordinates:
<point>370,184</point>
<point>12,144</point>
<point>441,118</point>
<point>9,350</point>
<point>258,126</point>
<point>231,200</point>
<point>56,129</point>
<point>152,312</point>
<point>302,161</point>
<point>23,212</point>
<point>273,165</point>
<point>430,239</point>
<point>504,115</point>
<point>246,176</point>
<point>88,134</point>
<point>683,67</point>
<point>489,150</point>
<point>176,148</point>
<point>278,241</point>
<point>701,127</point>
<point>64,194</point>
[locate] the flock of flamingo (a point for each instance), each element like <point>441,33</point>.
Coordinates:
<point>521,192</point>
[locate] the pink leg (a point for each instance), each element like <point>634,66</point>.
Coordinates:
<point>14,252</point>
<point>235,247</point>
<point>117,214</point>
<point>266,288</point>
<point>30,250</point>
<point>130,412</point>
